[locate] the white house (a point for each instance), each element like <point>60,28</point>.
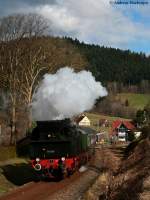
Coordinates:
<point>83,120</point>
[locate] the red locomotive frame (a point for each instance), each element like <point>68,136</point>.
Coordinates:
<point>52,168</point>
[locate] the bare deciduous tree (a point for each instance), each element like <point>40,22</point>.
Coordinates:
<point>18,72</point>
<point>9,68</point>
<point>18,26</point>
<point>31,75</point>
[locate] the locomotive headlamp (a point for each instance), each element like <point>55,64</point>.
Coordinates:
<point>37,167</point>
<point>37,159</point>
<point>63,158</point>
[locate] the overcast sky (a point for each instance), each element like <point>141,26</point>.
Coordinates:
<point>92,21</point>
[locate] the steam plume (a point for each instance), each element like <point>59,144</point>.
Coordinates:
<point>65,94</point>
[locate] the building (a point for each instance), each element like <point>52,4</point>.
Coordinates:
<point>104,123</point>
<point>101,137</point>
<point>82,120</point>
<point>122,130</point>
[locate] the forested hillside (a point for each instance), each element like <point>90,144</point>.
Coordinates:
<point>116,65</point>
<point>113,67</point>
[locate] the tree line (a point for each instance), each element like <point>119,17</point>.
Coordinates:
<point>117,69</point>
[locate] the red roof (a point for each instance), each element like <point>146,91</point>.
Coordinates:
<point>116,124</point>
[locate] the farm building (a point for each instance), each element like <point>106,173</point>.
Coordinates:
<point>101,138</point>
<point>122,130</point>
<point>82,120</point>
<point>104,123</point>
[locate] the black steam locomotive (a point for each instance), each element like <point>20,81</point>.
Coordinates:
<point>57,148</point>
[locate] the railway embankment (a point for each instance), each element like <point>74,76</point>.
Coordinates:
<point>127,174</point>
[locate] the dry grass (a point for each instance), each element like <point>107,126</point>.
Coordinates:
<point>5,185</point>
<point>123,179</point>
<point>97,188</point>
<point>100,189</point>
<point>7,152</point>
<point>129,181</point>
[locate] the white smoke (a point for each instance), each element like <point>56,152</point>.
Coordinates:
<point>65,94</point>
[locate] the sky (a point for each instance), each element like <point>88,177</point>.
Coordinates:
<point>102,22</point>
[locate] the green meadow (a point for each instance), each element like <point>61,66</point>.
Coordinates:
<point>137,101</point>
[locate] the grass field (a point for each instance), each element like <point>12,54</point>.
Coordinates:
<point>137,101</point>
<point>7,153</point>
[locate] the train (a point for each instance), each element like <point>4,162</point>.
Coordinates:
<point>57,148</point>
